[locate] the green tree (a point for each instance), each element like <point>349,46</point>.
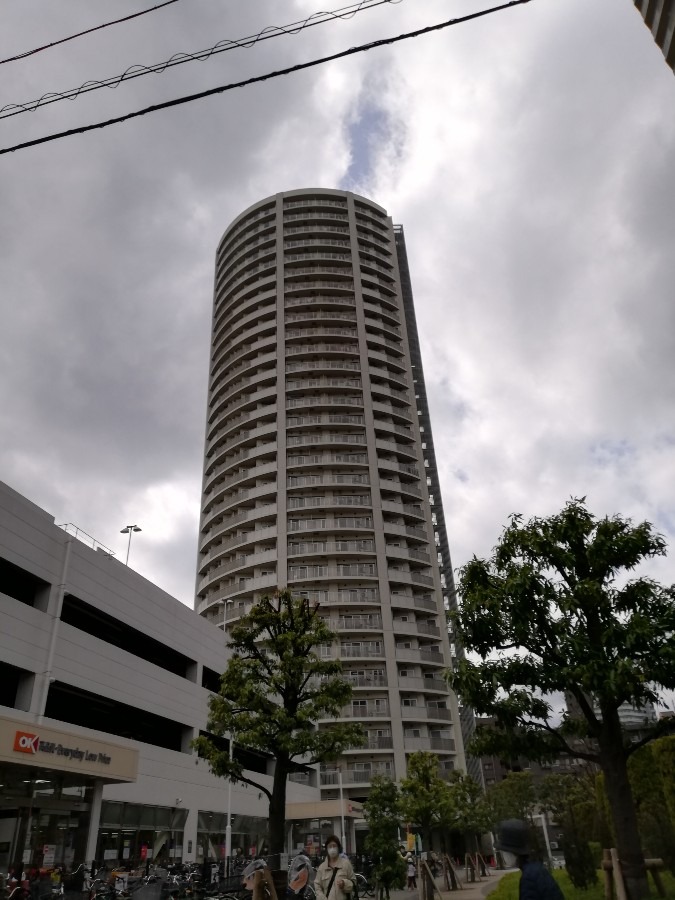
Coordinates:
<point>555,596</point>
<point>570,798</point>
<point>272,693</point>
<point>422,794</point>
<point>467,809</point>
<point>649,782</point>
<point>515,797</point>
<point>382,811</point>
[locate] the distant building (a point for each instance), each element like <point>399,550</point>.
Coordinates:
<point>319,468</point>
<point>659,16</point>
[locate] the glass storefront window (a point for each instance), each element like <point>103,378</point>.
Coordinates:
<point>45,816</point>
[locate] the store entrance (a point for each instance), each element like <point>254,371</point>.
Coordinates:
<point>44,817</point>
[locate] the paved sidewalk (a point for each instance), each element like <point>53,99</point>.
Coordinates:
<point>475,890</point>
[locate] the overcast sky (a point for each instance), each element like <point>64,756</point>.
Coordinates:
<point>529,155</point>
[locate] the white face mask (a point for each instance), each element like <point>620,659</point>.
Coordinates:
<point>332,851</point>
<point>510,859</point>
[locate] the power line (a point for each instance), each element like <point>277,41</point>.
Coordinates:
<point>361,48</point>
<point>136,71</point>
<point>81,33</point>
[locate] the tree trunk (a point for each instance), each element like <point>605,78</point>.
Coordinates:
<point>277,814</point>
<point>624,817</point>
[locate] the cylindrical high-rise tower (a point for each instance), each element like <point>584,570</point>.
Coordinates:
<point>314,472</point>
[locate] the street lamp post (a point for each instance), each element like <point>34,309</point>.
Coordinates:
<point>129,529</point>
<point>342,811</point>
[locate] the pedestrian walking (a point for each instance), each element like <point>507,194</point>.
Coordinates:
<point>412,873</point>
<point>536,882</point>
<point>335,876</point>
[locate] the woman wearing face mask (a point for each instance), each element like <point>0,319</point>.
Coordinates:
<point>536,882</point>
<point>335,876</point>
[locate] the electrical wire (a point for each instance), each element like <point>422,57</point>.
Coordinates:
<point>136,71</point>
<point>361,48</point>
<point>81,33</point>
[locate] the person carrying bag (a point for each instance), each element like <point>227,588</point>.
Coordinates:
<point>335,876</point>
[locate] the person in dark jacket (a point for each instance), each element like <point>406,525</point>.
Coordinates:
<point>536,882</point>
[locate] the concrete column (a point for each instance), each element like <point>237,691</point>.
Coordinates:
<point>94,822</point>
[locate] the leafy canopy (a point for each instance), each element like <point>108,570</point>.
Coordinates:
<point>551,611</point>
<point>382,812</point>
<point>422,792</point>
<point>276,688</point>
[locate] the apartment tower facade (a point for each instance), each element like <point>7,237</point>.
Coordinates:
<point>315,473</point>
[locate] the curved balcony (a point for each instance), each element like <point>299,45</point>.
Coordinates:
<point>313,331</point>
<point>311,216</point>
<point>345,597</point>
<point>220,397</point>
<point>245,351</point>
<point>429,743</point>
<point>264,312</point>
<point>323,438</point>
<point>396,379</point>
<point>425,713</point>
<point>221,473</point>
<point>230,425</point>
<point>330,548</point>
<point>356,622</point>
<point>408,470</point>
<point>389,314</point>
<point>399,576</point>
<point>420,656</point>
<point>408,554</point>
<point>388,485</point>
<point>240,440</point>
<point>356,776</point>
<point>294,288</point>
<point>415,532</point>
<point>312,365</point>
<point>247,271</point>
<point>325,458</point>
<point>324,400</point>
<point>229,314</point>
<point>255,536</point>
<point>229,302</point>
<point>262,583</point>
<point>362,650</point>
<point>240,496</point>
<point>403,414</point>
<point>334,523</point>
<point>322,301</point>
<point>318,258</point>
<point>375,294</point>
<point>324,382</point>
<point>315,229</point>
<point>242,563</point>
<point>375,341</point>
<point>407,451</point>
<point>293,319</point>
<point>394,364</point>
<point>250,367</point>
<point>238,480</point>
<point>228,353</point>
<point>236,262</point>
<point>229,412</point>
<point>257,234</point>
<point>313,349</point>
<point>313,572</point>
<point>417,683</point>
<point>406,510</point>
<point>367,680</point>
<point>267,511</point>
<point>366,709</point>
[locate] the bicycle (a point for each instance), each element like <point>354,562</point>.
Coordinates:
<point>364,886</point>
